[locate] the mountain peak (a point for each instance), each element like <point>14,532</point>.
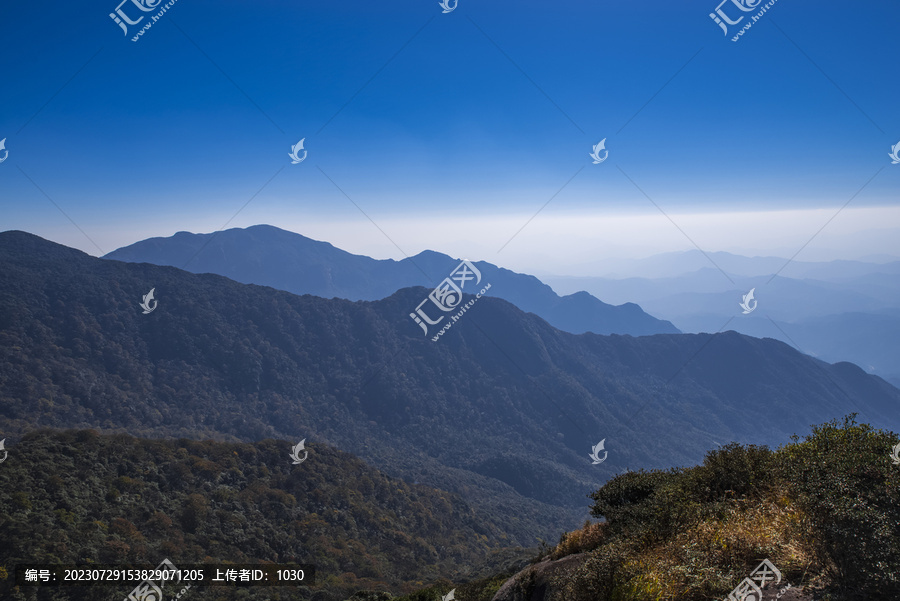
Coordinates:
<point>269,256</point>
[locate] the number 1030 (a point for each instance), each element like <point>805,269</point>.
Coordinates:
<point>290,575</point>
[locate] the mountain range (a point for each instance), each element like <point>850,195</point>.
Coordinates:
<point>503,410</point>
<point>836,311</point>
<point>269,256</point>
<point>675,264</point>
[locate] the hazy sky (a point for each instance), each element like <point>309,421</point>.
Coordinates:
<point>452,131</point>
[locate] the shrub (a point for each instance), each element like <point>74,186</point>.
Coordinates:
<point>588,538</point>
<point>842,478</point>
<point>734,471</point>
<point>627,501</point>
<point>601,576</point>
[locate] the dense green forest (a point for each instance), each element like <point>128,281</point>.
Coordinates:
<point>481,440</point>
<point>77,497</point>
<point>502,411</point>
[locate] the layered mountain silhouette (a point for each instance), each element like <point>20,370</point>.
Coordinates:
<point>683,263</point>
<point>270,256</point>
<point>836,311</point>
<point>502,410</point>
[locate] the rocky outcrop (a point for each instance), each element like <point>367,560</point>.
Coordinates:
<point>547,580</point>
<point>542,581</point>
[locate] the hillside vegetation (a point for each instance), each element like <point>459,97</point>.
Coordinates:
<point>502,411</point>
<point>825,511</point>
<point>78,497</point>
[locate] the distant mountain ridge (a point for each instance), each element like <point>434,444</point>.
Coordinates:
<point>502,410</point>
<point>680,263</point>
<point>269,256</point>
<point>837,311</point>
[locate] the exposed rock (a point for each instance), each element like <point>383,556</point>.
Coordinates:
<point>541,581</point>
<point>785,593</point>
<point>546,580</point>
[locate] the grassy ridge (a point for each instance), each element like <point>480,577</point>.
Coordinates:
<point>825,510</point>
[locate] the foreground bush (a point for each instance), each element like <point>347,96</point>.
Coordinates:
<point>825,510</point>
<point>848,491</point>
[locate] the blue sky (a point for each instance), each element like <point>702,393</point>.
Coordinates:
<point>470,122</point>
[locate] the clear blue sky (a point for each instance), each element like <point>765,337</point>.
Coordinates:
<point>180,129</point>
